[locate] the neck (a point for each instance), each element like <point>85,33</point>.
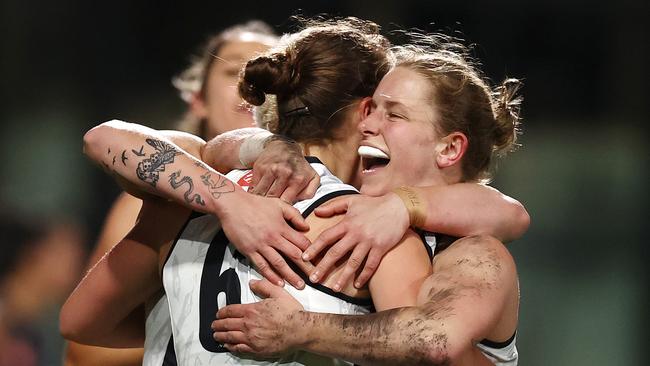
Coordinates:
<point>340,156</point>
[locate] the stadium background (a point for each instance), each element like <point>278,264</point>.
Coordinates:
<point>581,172</point>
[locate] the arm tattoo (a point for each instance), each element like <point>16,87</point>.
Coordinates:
<point>148,169</point>
<point>139,153</point>
<point>124,158</point>
<point>177,183</point>
<point>223,185</point>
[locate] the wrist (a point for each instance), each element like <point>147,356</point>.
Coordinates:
<point>302,327</point>
<point>414,204</point>
<point>397,206</point>
<point>225,202</point>
<point>252,147</point>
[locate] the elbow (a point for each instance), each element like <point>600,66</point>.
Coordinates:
<point>72,326</point>
<point>515,223</point>
<point>68,327</point>
<point>520,223</point>
<point>94,139</point>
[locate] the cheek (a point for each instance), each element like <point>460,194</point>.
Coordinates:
<point>221,89</point>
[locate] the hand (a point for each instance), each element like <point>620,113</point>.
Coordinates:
<point>258,228</point>
<point>371,227</point>
<point>265,328</point>
<point>282,171</point>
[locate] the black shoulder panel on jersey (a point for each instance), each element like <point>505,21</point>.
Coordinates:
<point>170,353</point>
<point>326,198</point>
<point>318,286</point>
<point>504,344</point>
<point>193,215</point>
<point>313,160</point>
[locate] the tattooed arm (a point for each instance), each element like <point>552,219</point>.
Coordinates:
<point>146,159</point>
<point>472,295</point>
<point>257,226</point>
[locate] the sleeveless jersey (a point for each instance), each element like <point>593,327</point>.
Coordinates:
<point>501,353</point>
<point>158,342</point>
<point>204,272</point>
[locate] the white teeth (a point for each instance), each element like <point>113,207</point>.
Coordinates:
<point>371,152</point>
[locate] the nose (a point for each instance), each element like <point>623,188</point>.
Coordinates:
<point>367,124</point>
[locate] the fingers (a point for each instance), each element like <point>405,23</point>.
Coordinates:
<point>334,253</point>
<point>230,337</point>
<point>296,183</point>
<point>232,311</point>
<point>265,270</point>
<point>309,191</point>
<point>351,267</point>
<point>280,265</point>
<point>262,187</point>
<point>332,208</point>
<point>290,195</point>
<point>266,289</point>
<point>294,216</point>
<point>227,324</point>
<point>278,186</point>
<point>372,262</point>
<point>325,239</point>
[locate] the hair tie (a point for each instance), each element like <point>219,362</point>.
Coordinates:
<point>294,107</point>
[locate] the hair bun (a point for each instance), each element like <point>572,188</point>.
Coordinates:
<point>264,75</point>
<point>507,107</point>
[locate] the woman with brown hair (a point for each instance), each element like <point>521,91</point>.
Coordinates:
<point>432,105</point>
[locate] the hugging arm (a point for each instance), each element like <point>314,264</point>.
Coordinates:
<point>147,160</point>
<point>279,168</point>
<point>442,329</point>
<point>458,210</point>
<point>105,308</point>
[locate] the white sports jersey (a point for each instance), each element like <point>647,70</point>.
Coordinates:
<point>158,342</point>
<point>205,272</point>
<point>503,353</point>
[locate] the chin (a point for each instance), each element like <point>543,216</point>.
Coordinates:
<point>373,189</point>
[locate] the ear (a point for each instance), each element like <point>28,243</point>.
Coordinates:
<point>197,106</point>
<point>364,108</point>
<point>450,149</point>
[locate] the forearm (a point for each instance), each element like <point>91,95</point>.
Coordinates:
<point>149,162</point>
<point>400,336</point>
<point>223,152</point>
<point>467,209</point>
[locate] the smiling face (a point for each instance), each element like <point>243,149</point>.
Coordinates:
<point>221,105</point>
<point>400,143</point>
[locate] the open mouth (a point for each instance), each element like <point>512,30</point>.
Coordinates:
<point>372,158</point>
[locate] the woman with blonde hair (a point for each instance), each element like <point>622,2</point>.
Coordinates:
<point>214,107</point>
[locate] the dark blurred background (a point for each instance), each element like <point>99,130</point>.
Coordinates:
<point>581,171</point>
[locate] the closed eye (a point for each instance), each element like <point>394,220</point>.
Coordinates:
<point>392,115</point>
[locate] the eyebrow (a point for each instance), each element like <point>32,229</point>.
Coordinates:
<point>394,103</point>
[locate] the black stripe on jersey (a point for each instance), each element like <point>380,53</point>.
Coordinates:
<point>326,198</point>
<point>318,286</point>
<point>313,160</point>
<point>193,215</point>
<point>170,353</point>
<point>504,344</point>
<point>423,235</point>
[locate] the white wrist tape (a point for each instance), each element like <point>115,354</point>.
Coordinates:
<point>252,147</point>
